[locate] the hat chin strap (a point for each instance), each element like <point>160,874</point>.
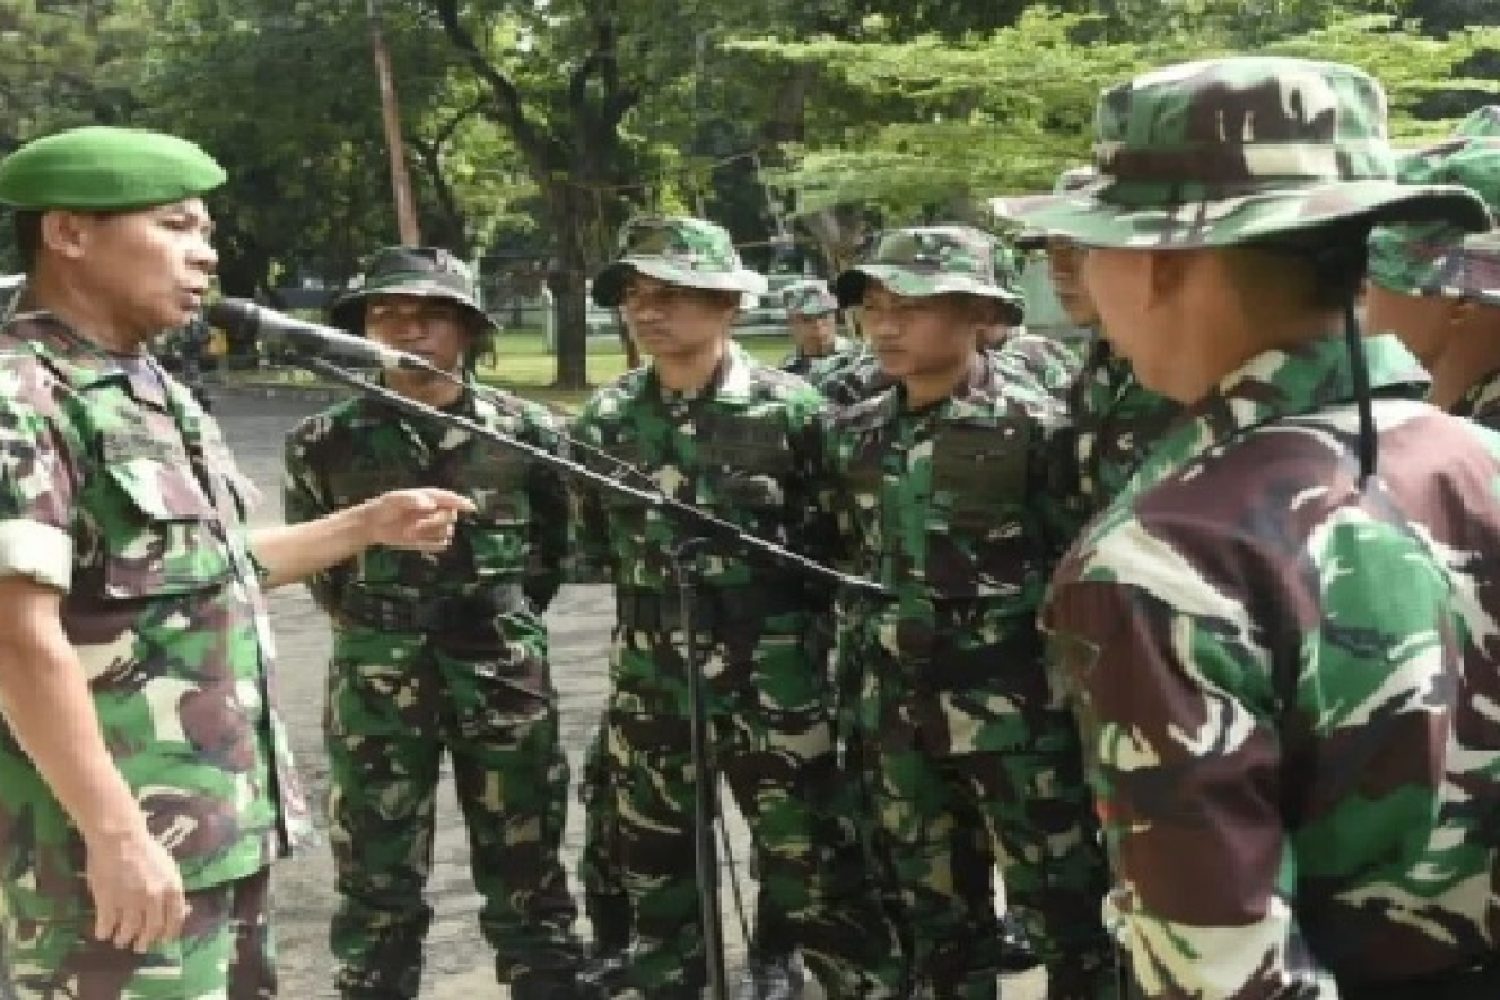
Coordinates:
<point>1369,441</point>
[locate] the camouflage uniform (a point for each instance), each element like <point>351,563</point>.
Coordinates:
<point>742,448</point>
<point>950,508</point>
<point>1117,420</point>
<point>441,653</point>
<point>1472,271</point>
<point>812,299</point>
<point>1294,761</point>
<point>118,489</point>
<point>1434,259</point>
<point>1039,361</point>
<point>8,300</point>
<point>848,379</point>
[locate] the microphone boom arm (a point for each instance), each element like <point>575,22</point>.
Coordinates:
<point>712,528</point>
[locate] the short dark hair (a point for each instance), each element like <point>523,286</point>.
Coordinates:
<point>1338,256</point>
<point>28,239</point>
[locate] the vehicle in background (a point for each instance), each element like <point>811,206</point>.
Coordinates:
<point>10,286</point>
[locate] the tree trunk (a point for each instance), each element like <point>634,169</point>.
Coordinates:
<point>569,281</point>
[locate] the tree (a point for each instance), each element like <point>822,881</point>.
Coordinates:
<point>566,126</point>
<point>920,128</point>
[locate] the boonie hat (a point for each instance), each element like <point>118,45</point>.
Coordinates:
<point>679,250</point>
<point>1230,151</point>
<point>924,261</point>
<point>420,272</point>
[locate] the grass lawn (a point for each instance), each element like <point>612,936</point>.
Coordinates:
<point>523,365</point>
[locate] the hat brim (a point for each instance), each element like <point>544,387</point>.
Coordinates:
<point>1104,215</point>
<point>348,311</point>
<point>851,285</point>
<point>609,284</point>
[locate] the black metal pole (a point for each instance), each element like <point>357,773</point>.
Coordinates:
<point>705,778</point>
<point>710,528</point>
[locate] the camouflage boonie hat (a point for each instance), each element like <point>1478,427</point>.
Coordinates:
<point>808,298</point>
<point>1230,151</point>
<point>1072,179</point>
<point>934,260</point>
<point>680,251</point>
<point>421,272</point>
<point>1481,122</point>
<point>1470,271</point>
<point>1411,258</point>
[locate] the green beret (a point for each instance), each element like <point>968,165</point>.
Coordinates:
<point>100,167</point>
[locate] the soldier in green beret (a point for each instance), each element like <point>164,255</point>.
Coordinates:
<point>145,781</point>
<point>1279,640</point>
<point>1436,290</point>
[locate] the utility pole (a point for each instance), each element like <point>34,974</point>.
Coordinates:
<point>406,213</point>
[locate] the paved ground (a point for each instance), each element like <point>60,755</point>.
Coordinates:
<point>457,967</point>
<point>457,962</point>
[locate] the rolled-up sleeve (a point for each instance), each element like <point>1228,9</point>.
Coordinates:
<point>38,477</point>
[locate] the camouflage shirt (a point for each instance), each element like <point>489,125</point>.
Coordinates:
<point>801,364</point>
<point>363,447</point>
<point>743,449</point>
<point>1041,362</point>
<point>1296,762</point>
<point>1049,363</point>
<point>116,488</point>
<point>1117,421</point>
<point>1481,402</point>
<point>950,507</point>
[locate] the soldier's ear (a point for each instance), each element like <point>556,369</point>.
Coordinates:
<point>1166,272</point>
<point>1466,318</point>
<point>65,234</point>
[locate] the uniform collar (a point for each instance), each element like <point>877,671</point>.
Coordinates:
<point>731,380</point>
<point>1480,399</point>
<point>81,363</point>
<point>973,397</point>
<point>1286,383</point>
<point>376,411</point>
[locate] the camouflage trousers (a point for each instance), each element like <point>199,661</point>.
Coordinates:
<point>603,878</point>
<point>599,868</point>
<point>395,707</point>
<point>224,953</point>
<point>7,992</point>
<point>772,741</point>
<point>1051,865</point>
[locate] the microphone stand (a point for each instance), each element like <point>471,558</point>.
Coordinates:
<point>707,530</point>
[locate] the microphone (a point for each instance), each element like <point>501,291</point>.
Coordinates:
<point>269,326</point>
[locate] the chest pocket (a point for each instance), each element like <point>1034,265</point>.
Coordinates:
<point>981,471</point>
<point>630,452</point>
<point>496,481</point>
<point>351,486</point>
<point>747,458</point>
<point>169,539</point>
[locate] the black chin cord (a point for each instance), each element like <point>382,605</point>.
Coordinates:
<point>1369,442</point>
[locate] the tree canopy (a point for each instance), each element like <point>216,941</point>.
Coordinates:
<point>531,131</point>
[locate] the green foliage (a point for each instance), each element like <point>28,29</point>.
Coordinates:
<point>924,127</point>
<point>534,129</point>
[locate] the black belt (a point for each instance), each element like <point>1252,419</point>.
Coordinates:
<point>457,613</point>
<point>653,611</point>
<point>1478,981</point>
